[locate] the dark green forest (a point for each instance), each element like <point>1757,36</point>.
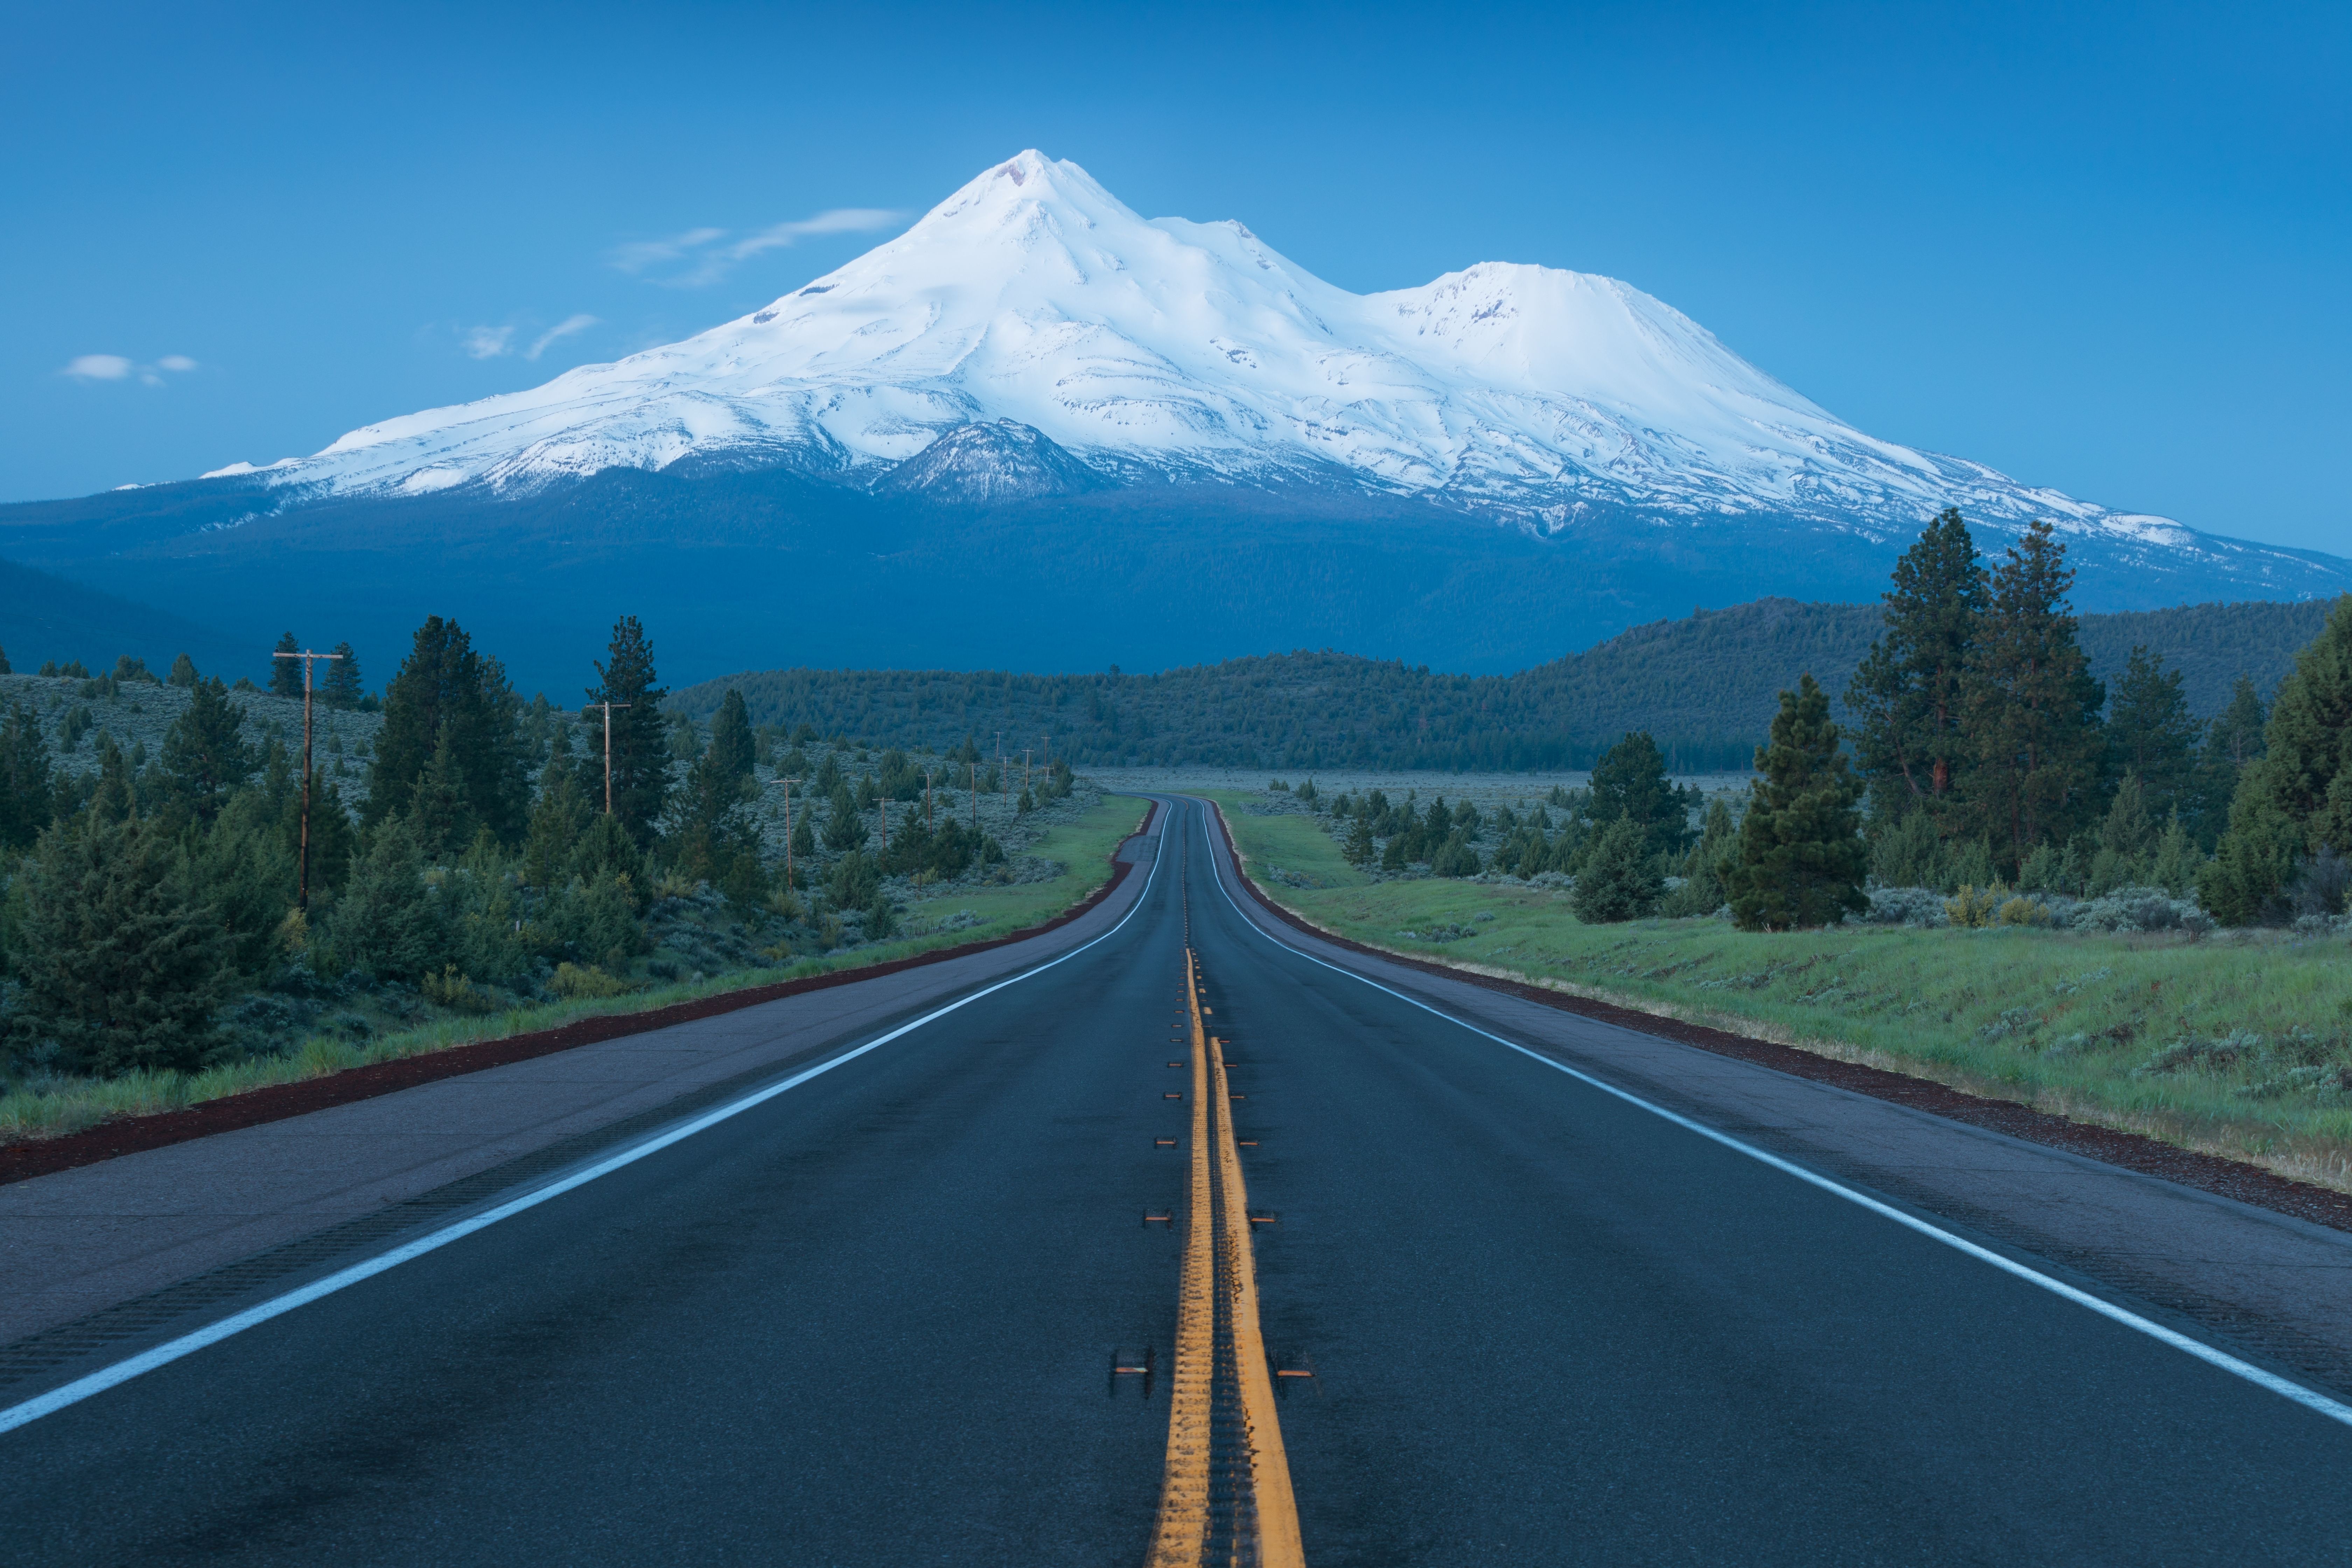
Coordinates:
<point>1707,687</point>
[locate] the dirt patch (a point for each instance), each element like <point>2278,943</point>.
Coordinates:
<point>2131,1150</point>
<point>40,1157</point>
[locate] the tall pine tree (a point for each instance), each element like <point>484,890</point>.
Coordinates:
<point>286,674</point>
<point>1913,747</point>
<point>2151,734</point>
<point>339,686</point>
<point>1630,782</point>
<point>204,753</point>
<point>445,686</point>
<point>1799,859</point>
<point>2296,798</point>
<point>641,754</point>
<point>2031,707</point>
<point>732,749</point>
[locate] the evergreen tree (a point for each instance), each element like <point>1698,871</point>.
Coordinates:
<point>440,812</point>
<point>119,970</point>
<point>204,753</point>
<point>557,822</point>
<point>446,693</point>
<point>243,871</point>
<point>1913,746</point>
<point>27,792</point>
<point>2234,740</point>
<point>184,671</point>
<point>286,674</point>
<point>1630,783</point>
<point>115,797</point>
<point>732,747</point>
<point>1799,859</point>
<point>1702,893</point>
<point>388,923</point>
<point>2128,839</point>
<point>2295,800</point>
<point>641,753</point>
<point>339,686</point>
<point>1360,848</point>
<point>2152,735</point>
<point>2032,705</point>
<point>1620,878</point>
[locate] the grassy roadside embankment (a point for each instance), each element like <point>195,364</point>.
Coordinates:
<point>1083,848</point>
<point>2239,1045</point>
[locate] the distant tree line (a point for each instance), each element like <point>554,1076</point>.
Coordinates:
<point>1706,687</point>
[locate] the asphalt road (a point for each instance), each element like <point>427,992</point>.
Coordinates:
<point>874,1320</point>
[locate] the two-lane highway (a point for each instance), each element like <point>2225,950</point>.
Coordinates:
<point>1472,1307</point>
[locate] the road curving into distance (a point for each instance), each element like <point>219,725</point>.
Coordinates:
<point>1188,1246</point>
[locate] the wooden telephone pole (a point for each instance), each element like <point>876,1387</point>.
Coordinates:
<point>789,784</point>
<point>608,708</point>
<point>302,878</point>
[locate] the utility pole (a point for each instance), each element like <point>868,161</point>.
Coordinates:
<point>608,708</point>
<point>789,786</point>
<point>302,877</point>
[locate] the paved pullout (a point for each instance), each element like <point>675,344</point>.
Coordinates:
<point>875,1318</point>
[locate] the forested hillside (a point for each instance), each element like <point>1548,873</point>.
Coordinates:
<point>1707,687</point>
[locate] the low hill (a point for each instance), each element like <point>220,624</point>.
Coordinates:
<point>1706,686</point>
<point>45,616</point>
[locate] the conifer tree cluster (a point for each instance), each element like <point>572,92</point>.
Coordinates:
<point>1991,756</point>
<point>151,917</point>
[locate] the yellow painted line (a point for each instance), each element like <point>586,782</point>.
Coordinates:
<point>1183,1528</point>
<point>1183,1525</point>
<point>1277,1509</point>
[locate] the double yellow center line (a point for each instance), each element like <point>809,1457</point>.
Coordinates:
<point>1226,1495</point>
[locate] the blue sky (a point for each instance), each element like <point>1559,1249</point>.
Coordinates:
<point>2103,249</point>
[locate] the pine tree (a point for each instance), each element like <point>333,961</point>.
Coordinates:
<point>2296,798</point>
<point>286,674</point>
<point>1913,746</point>
<point>1702,890</point>
<point>557,822</point>
<point>439,812</point>
<point>2234,740</point>
<point>339,686</point>
<point>2032,705</point>
<point>1799,860</point>
<point>2127,838</point>
<point>1360,848</point>
<point>445,686</point>
<point>2151,734</point>
<point>204,753</point>
<point>184,671</point>
<point>641,753</point>
<point>388,923</point>
<point>1618,879</point>
<point>733,748</point>
<point>28,790</point>
<point>1630,783</point>
<point>119,971</point>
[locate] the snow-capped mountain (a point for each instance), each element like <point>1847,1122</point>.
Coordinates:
<point>1166,348</point>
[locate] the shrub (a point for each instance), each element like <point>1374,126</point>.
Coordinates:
<point>2140,910</point>
<point>1903,906</point>
<point>456,992</point>
<point>1972,907</point>
<point>1618,881</point>
<point>576,983</point>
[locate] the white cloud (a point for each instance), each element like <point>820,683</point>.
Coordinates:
<point>97,367</point>
<point>175,361</point>
<point>563,329</point>
<point>713,260</point>
<point>634,259</point>
<point>488,343</point>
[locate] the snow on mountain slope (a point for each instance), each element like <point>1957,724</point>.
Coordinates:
<point>1188,349</point>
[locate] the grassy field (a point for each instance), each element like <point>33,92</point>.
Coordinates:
<point>2240,1044</point>
<point>977,915</point>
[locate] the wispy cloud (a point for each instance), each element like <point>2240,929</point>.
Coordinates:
<point>707,259</point>
<point>487,343</point>
<point>115,367</point>
<point>565,328</point>
<point>97,367</point>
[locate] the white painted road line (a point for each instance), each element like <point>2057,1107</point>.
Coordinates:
<point>2310,1399</point>
<point>187,1344</point>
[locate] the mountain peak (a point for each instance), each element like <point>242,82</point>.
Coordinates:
<point>1033,299</point>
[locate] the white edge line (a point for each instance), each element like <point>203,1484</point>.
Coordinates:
<point>2310,1399</point>
<point>123,1370</point>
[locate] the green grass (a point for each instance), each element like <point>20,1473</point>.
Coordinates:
<point>1083,848</point>
<point>2239,1045</point>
